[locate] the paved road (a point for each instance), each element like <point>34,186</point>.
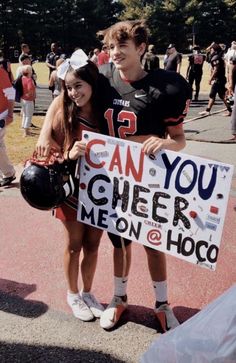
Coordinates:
<point>35,322</point>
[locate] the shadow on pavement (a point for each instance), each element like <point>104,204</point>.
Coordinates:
<point>141,315</point>
<point>14,184</point>
<point>198,104</point>
<point>12,352</point>
<point>12,299</point>
<point>184,313</point>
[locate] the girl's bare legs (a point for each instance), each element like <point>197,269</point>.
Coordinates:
<point>78,235</point>
<point>74,232</point>
<point>90,244</point>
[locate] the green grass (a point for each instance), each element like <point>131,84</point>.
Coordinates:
<point>20,148</point>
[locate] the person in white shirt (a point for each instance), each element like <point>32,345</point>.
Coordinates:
<point>229,57</point>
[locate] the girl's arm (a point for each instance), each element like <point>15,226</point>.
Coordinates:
<point>45,141</point>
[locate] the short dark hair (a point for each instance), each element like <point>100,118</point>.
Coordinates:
<point>24,45</point>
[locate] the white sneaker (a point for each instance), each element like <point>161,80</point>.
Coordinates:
<point>204,113</point>
<point>113,312</point>
<point>91,301</point>
<point>166,317</point>
<point>79,308</point>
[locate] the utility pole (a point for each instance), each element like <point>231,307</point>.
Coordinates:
<point>193,34</point>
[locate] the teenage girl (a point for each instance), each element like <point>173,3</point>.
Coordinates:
<point>71,112</point>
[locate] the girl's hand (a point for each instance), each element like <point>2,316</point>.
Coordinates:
<point>77,150</point>
<point>44,145</point>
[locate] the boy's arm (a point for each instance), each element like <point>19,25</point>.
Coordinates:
<point>152,143</point>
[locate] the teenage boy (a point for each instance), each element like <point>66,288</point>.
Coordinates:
<point>147,108</point>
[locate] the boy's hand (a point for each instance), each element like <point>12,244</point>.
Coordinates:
<point>153,144</point>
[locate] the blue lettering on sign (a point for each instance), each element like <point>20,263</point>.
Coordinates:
<point>205,192</point>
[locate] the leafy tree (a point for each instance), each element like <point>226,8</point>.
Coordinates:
<point>74,23</point>
<point>136,9</point>
<point>181,21</point>
<point>211,21</point>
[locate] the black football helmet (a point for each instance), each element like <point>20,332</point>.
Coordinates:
<point>46,186</point>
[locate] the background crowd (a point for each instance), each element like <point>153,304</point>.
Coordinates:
<point>222,79</point>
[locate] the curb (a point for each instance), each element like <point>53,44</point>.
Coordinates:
<point>213,141</point>
<point>204,116</point>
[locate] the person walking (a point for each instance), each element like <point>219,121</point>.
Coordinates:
<point>103,56</point>
<point>173,61</point>
<point>25,50</point>
<point>217,80</point>
<point>151,60</point>
<point>147,108</point>
<point>52,57</point>
<point>55,83</point>
<point>7,99</point>
<point>195,69</point>
<point>26,58</point>
<point>75,110</point>
<point>27,99</point>
<point>229,58</point>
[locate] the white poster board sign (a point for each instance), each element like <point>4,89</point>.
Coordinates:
<point>171,202</point>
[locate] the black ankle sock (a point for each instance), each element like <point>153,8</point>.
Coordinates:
<point>123,298</point>
<point>159,303</point>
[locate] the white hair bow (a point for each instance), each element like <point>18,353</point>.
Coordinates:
<point>77,60</point>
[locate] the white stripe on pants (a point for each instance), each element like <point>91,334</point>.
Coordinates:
<point>6,168</point>
<point>27,113</point>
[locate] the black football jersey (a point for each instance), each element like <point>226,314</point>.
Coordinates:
<point>143,107</point>
<point>217,62</point>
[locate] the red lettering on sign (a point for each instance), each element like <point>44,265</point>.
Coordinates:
<point>88,150</point>
<point>154,236</point>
